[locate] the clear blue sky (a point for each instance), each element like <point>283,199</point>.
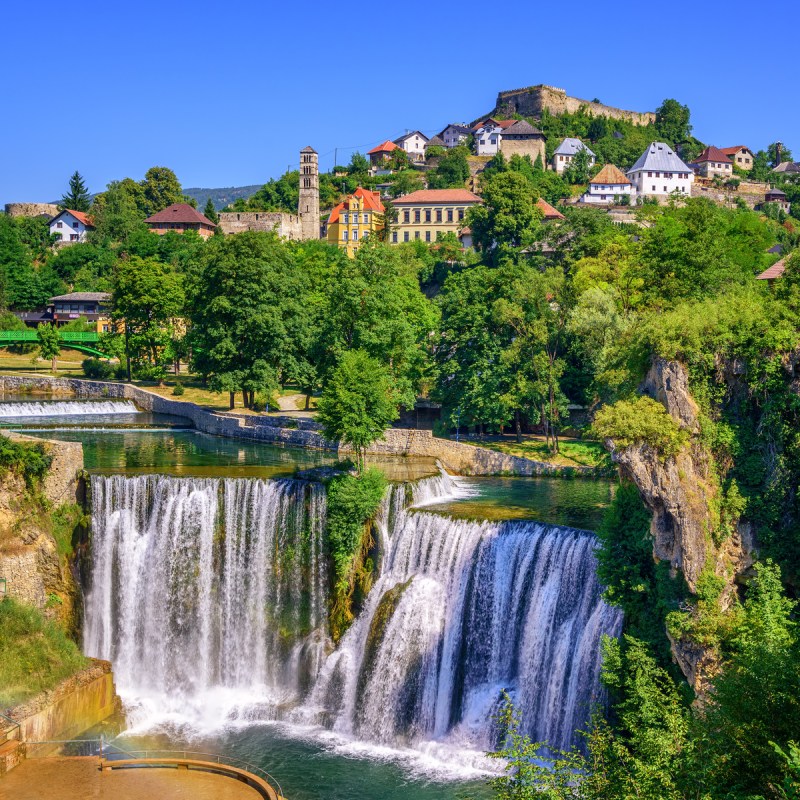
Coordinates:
<point>226,93</point>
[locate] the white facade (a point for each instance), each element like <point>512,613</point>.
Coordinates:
<point>414,144</point>
<point>659,172</point>
<point>566,151</point>
<point>487,138</point>
<point>69,228</point>
<point>454,135</point>
<point>608,193</point>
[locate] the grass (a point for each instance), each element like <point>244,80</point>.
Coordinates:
<point>573,452</point>
<point>68,363</point>
<point>35,653</point>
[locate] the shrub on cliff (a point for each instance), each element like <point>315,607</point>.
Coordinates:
<point>35,653</point>
<point>29,461</point>
<point>640,421</point>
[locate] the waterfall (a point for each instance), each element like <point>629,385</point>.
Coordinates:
<point>66,408</point>
<point>206,585</point>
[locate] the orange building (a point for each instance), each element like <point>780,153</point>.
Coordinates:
<point>358,216</point>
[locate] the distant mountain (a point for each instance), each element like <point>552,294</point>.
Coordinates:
<point>221,197</point>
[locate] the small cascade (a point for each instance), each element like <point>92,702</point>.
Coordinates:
<point>66,408</point>
<point>211,598</point>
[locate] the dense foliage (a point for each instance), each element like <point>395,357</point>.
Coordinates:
<point>29,461</point>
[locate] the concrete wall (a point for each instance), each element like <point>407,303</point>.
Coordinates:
<point>31,209</point>
<point>286,225</point>
<point>456,457</point>
<point>532,100</point>
<point>75,705</point>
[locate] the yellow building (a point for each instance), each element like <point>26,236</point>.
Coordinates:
<point>430,213</point>
<point>360,215</point>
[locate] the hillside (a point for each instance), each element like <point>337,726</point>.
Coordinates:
<point>221,197</point>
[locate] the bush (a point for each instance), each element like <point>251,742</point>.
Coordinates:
<point>149,372</point>
<point>97,369</point>
<point>640,421</point>
<point>35,653</point>
<point>30,461</point>
<point>120,372</point>
<point>178,390</point>
<point>264,401</point>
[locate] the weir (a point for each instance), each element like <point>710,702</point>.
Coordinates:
<point>210,596</point>
<point>66,408</point>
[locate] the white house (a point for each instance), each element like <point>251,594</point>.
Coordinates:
<point>487,135</point>
<point>454,135</point>
<point>712,162</point>
<point>71,226</point>
<point>414,144</point>
<point>659,172</point>
<point>567,150</point>
<point>608,186</point>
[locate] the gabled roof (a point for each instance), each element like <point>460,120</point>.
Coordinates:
<point>660,157</point>
<point>712,153</point>
<point>732,151</point>
<point>571,146</point>
<point>775,271</point>
<point>774,192</point>
<point>385,147</point>
<point>456,127</point>
<point>522,127</point>
<point>548,210</point>
<point>79,215</point>
<point>409,135</point>
<point>308,149</point>
<point>497,123</point>
<point>438,196</point>
<point>85,297</point>
<point>787,166</point>
<point>436,141</point>
<point>372,202</point>
<point>180,213</point>
<point>610,176</point>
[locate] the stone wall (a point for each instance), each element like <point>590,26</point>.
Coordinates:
<point>31,209</point>
<point>77,704</point>
<point>456,457</point>
<point>532,100</point>
<point>524,147</point>
<point>751,193</point>
<point>288,226</point>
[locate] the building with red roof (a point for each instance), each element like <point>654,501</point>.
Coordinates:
<point>180,217</point>
<point>382,153</point>
<point>430,213</point>
<point>712,162</point>
<point>357,217</point>
<point>741,156</point>
<point>70,226</point>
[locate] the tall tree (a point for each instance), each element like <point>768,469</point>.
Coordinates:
<point>209,212</point>
<point>49,344</point>
<point>77,198</point>
<point>161,188</point>
<point>672,122</point>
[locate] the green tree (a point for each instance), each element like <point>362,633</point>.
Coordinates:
<point>116,212</point>
<point>405,182</point>
<point>78,197</point>
<point>452,171</point>
<point>578,169</point>
<point>160,188</point>
<point>49,346</point>
<point>209,212</point>
<point>358,403</point>
<point>772,154</point>
<point>672,122</point>
<point>358,166</point>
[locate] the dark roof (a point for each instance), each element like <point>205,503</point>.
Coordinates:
<point>181,213</point>
<point>522,129</point>
<point>436,141</point>
<point>456,127</point>
<point>409,135</point>
<point>775,192</point>
<point>778,249</point>
<point>308,149</point>
<point>84,297</point>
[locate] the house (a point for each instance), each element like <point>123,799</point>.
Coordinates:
<point>454,135</point>
<point>382,153</point>
<point>414,145</point>
<point>713,163</point>
<point>549,213</point>
<point>487,135</point>
<point>608,186</point>
<point>741,156</point>
<point>92,306</point>
<point>659,172</point>
<point>567,150</point>
<point>71,226</point>
<point>358,216</point>
<point>430,213</point>
<point>788,168</point>
<point>523,139</point>
<point>180,217</point>
<point>779,197</point>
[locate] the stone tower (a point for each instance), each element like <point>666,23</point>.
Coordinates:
<point>308,205</point>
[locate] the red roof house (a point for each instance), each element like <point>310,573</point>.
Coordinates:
<point>382,152</point>
<point>180,217</point>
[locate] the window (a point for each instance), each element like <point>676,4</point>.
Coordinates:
<point>344,218</point>
<point>73,237</point>
<point>406,216</point>
<point>665,189</point>
<point>427,215</point>
<point>561,158</point>
<point>427,236</point>
<point>366,219</point>
<point>405,236</point>
<point>344,236</point>
<point>460,214</point>
<point>438,214</point>
<point>417,215</point>
<point>649,174</point>
<point>449,214</point>
<point>654,188</point>
<point>355,235</point>
<point>75,224</point>
<point>59,224</point>
<point>416,234</point>
<point>394,237</point>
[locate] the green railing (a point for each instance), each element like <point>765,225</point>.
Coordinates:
<point>32,335</point>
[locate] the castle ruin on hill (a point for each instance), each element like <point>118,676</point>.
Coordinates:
<point>533,100</point>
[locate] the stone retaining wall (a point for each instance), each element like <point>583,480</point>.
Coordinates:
<point>455,457</point>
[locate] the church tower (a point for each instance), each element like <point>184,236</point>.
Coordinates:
<point>308,205</point>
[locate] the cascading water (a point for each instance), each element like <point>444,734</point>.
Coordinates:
<point>66,408</point>
<point>219,585</point>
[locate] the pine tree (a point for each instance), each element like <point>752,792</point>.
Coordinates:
<point>77,198</point>
<point>209,212</point>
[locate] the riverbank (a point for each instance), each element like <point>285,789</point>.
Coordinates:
<point>458,458</point>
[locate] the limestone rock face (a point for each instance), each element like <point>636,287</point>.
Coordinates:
<point>668,383</point>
